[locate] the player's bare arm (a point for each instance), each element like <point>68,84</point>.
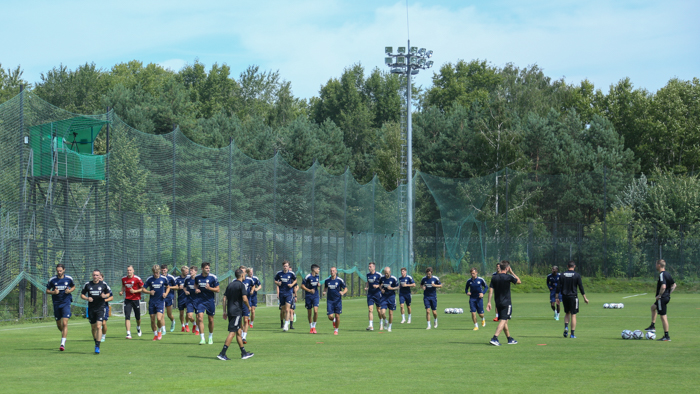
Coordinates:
<point>488,305</point>
<point>510,271</point>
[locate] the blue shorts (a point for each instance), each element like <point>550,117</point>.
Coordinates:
<point>405,299</point>
<point>208,306</point>
<point>476,305</point>
<point>182,303</point>
<point>374,299</point>
<point>155,307</point>
<point>191,306</point>
<point>553,294</point>
<point>311,302</point>
<point>253,301</point>
<point>430,303</point>
<point>246,311</point>
<point>286,299</point>
<point>334,307</point>
<point>106,314</point>
<point>169,301</point>
<point>388,303</point>
<point>61,311</point>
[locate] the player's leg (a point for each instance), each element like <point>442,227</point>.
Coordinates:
<point>662,306</point>
<point>392,308</point>
<point>315,315</point>
<point>127,318</point>
<point>182,318</point>
<point>654,312</point>
<point>473,310</point>
<point>433,307</point>
<point>252,315</point>
<point>137,315</point>
<point>427,315</point>
<point>210,316</point>
<point>370,313</point>
<point>64,330</point>
<point>408,306</point>
<point>200,323</point>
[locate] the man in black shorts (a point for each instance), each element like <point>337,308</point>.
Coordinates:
<point>95,292</point>
<point>569,282</point>
<point>665,285</point>
<point>500,285</point>
<point>234,299</point>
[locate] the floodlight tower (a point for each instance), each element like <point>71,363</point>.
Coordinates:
<point>408,63</point>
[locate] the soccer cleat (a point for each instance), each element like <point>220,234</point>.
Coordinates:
<point>211,341</point>
<point>291,325</point>
<point>62,348</point>
<point>187,328</point>
<point>315,332</point>
<point>409,321</point>
<point>512,341</point>
<point>556,316</point>
<point>403,321</point>
<point>97,350</point>
<point>103,338</point>
<point>495,342</point>
<point>160,336</point>
<point>285,327</point>
<point>155,337</point>
<point>128,336</point>
<point>495,319</point>
<point>572,336</point>
<point>566,333</point>
<point>370,328</point>
<point>483,322</point>
<point>251,324</point>
<point>311,330</point>
<point>222,357</point>
<point>665,339</point>
<point>650,328</point>
<point>172,326</point>
<point>436,324</point>
<point>428,328</point>
<point>476,328</point>
<point>335,332</point>
<point>139,332</point>
<point>244,342</point>
<point>388,329</point>
<point>295,318</point>
<point>203,341</point>
<point>183,329</point>
<point>247,355</point>
<point>381,327</point>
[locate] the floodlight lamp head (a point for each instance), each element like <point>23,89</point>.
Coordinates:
<point>401,60</point>
<point>401,50</point>
<point>388,50</point>
<point>414,50</point>
<point>389,60</point>
<point>414,61</point>
<point>421,62</point>
<point>429,54</point>
<point>421,52</point>
<point>429,64</point>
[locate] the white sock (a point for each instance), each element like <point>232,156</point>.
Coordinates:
<point>128,333</point>
<point>389,325</point>
<point>162,328</point>
<point>243,335</point>
<point>202,335</point>
<point>155,333</point>
<point>371,323</point>
<point>336,330</point>
<point>314,323</point>
<point>436,321</point>
<point>63,341</point>
<point>183,326</point>
<point>403,317</point>
<point>428,323</point>
<point>103,336</point>
<point>138,328</point>
<point>476,325</point>
<point>409,315</point>
<point>211,335</point>
<point>334,320</point>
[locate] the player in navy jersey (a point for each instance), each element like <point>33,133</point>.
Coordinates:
<point>405,283</point>
<point>552,284</point>
<point>310,286</point>
<point>171,296</point>
<point>60,287</point>
<point>665,285</point>
<point>182,297</point>
<point>388,285</point>
<point>95,292</point>
<point>285,281</point>
<point>189,288</point>
<point>248,283</point>
<point>106,313</point>
<point>253,300</point>
<point>207,287</point>
<point>430,284</point>
<point>500,290</point>
<point>336,289</point>
<point>475,289</point>
<point>158,288</point>
<point>374,293</point>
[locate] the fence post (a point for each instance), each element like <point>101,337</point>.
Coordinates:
<point>274,208</point>
<point>374,246</point>
<point>554,244</point>
<point>345,217</point>
<point>20,224</point>
<point>216,248</point>
<point>203,237</point>
<point>680,263</point>
<point>108,232</point>
<point>629,249</point>
<point>530,236</point>
<point>436,243</point>
<point>174,213</point>
<point>142,230</point>
<point>507,240</point>
<point>189,241</point>
<point>313,208</point>
<point>158,241</point>
<point>605,220</point>
<point>230,175</point>
<point>124,258</point>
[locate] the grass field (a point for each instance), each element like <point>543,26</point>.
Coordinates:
<point>451,358</point>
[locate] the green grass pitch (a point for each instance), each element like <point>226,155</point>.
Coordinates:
<point>451,358</point>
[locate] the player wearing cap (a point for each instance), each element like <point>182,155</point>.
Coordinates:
<point>60,287</point>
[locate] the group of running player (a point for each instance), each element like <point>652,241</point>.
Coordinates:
<point>197,296</point>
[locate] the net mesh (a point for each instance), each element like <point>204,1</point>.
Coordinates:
<point>163,199</point>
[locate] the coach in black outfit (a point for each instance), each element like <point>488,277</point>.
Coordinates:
<point>664,287</point>
<point>234,298</point>
<point>500,285</point>
<point>569,282</point>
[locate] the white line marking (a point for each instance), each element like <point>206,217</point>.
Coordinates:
<point>634,295</point>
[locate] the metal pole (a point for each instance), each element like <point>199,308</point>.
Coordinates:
<point>374,191</point>
<point>230,175</point>
<point>274,208</point>
<point>109,255</point>
<point>409,174</point>
<point>605,223</point>
<point>345,217</point>
<point>313,207</point>
<point>20,235</point>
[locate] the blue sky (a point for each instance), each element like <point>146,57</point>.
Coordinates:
<point>310,41</point>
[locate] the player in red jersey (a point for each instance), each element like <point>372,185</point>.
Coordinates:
<point>131,290</point>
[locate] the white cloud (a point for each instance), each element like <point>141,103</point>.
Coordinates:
<point>310,41</point>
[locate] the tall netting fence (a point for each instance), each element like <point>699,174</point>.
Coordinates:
<point>92,192</point>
